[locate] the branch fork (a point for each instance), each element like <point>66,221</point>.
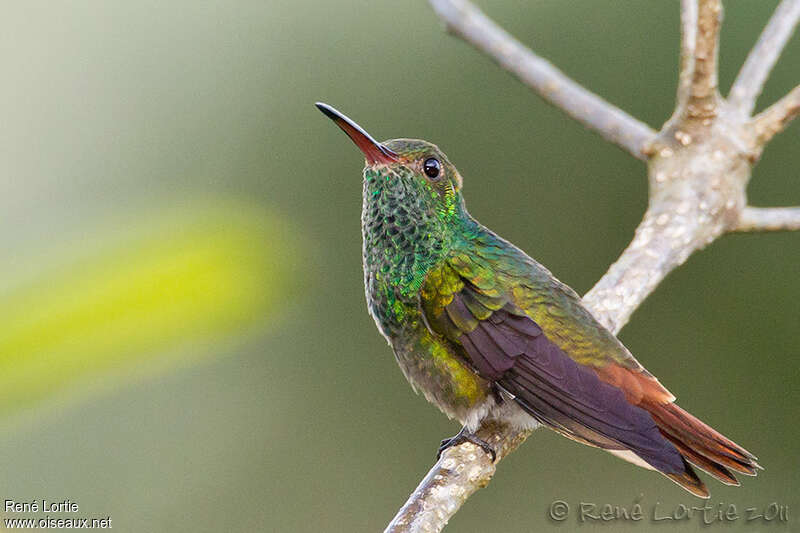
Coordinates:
<point>699,165</point>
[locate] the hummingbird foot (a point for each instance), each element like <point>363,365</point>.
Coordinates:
<point>466,436</point>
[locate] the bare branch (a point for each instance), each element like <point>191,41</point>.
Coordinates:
<point>652,254</point>
<point>703,97</point>
<point>616,126</point>
<point>769,219</point>
<point>455,477</point>
<point>763,56</point>
<point>688,41</point>
<point>776,117</point>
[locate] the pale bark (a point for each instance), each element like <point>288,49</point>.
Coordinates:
<point>763,56</point>
<point>769,219</point>
<point>776,117</point>
<point>703,100</point>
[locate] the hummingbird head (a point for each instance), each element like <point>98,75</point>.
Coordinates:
<point>416,173</point>
<point>412,204</point>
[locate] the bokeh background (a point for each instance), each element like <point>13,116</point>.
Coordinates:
<point>184,344</point>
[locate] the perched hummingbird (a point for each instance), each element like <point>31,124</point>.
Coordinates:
<point>484,331</point>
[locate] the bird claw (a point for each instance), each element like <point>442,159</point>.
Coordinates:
<point>466,436</point>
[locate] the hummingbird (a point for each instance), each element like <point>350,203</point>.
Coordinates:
<point>485,331</point>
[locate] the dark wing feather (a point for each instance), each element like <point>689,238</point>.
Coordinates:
<point>511,350</point>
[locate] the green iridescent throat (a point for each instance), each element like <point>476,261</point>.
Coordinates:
<point>407,226</point>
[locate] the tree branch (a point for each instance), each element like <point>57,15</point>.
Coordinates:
<point>688,42</point>
<point>460,472</point>
<point>769,219</point>
<point>776,117</point>
<point>467,21</point>
<point>703,97</point>
<point>663,241</point>
<point>698,176</point>
<point>750,80</point>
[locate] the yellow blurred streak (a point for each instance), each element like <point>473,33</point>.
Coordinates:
<point>202,274</point>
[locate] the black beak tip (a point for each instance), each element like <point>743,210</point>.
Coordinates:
<point>328,111</point>
<point>372,149</point>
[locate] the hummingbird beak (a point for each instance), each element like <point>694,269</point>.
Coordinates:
<point>374,151</point>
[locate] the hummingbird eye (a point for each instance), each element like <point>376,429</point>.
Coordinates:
<point>432,167</point>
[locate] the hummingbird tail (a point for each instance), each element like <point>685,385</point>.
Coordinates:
<point>688,480</point>
<point>702,446</point>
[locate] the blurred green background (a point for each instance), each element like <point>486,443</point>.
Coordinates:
<point>184,344</point>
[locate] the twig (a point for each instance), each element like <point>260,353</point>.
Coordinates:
<point>616,126</point>
<point>776,117</point>
<point>703,95</point>
<point>688,42</point>
<point>769,219</point>
<point>750,80</point>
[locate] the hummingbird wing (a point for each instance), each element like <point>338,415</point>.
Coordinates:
<point>496,268</point>
<point>541,355</point>
<point>508,348</point>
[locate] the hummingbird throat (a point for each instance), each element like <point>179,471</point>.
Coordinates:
<point>404,236</point>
